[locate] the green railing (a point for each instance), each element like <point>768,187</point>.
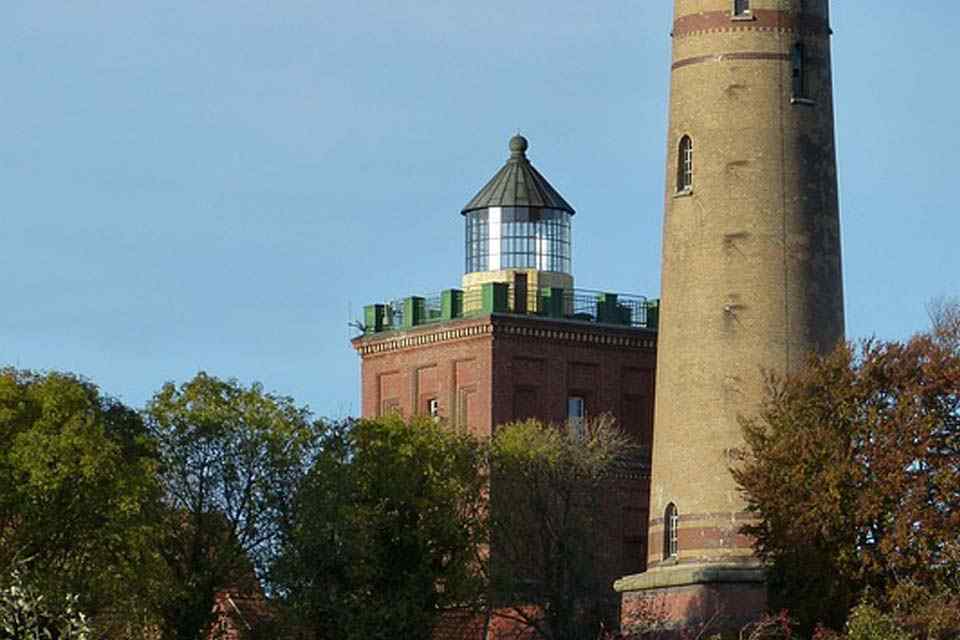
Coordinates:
<point>579,305</point>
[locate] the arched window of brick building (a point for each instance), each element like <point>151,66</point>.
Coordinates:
<point>671,527</point>
<point>685,165</point>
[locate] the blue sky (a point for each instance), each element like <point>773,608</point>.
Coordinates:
<point>216,185</point>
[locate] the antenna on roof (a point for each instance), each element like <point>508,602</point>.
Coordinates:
<point>354,324</point>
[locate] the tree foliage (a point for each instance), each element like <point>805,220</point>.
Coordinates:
<point>854,474</point>
<point>26,614</point>
<point>869,623</point>
<point>945,321</point>
<point>386,530</point>
<point>547,525</point>
<point>233,457</point>
<point>79,495</point>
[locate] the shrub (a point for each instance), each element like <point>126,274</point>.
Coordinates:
<point>869,623</point>
<point>24,615</point>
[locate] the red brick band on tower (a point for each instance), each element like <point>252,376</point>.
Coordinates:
<point>758,20</point>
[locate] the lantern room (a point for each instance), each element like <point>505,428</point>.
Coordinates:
<point>518,229</point>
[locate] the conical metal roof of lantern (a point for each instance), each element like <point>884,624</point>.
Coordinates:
<point>518,184</point>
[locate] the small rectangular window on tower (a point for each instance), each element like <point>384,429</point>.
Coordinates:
<point>741,8</point>
<point>799,72</point>
<point>685,166</point>
<point>674,534</point>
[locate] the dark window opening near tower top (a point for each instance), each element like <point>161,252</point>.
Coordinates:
<point>685,165</point>
<point>741,7</point>
<point>799,72</point>
<point>671,526</point>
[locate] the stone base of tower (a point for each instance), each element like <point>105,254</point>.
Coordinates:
<point>727,597</point>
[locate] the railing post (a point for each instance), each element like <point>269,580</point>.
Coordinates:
<point>653,314</point>
<point>413,311</point>
<point>551,302</point>
<point>608,309</point>
<point>373,316</point>
<point>495,297</point>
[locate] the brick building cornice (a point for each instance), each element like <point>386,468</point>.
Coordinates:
<point>509,325</point>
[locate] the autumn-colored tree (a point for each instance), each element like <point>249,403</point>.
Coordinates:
<point>853,472</point>
<point>945,321</point>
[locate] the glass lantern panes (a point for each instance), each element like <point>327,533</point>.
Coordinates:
<point>518,238</point>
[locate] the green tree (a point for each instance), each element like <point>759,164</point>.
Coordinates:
<point>548,522</point>
<point>854,474</point>
<point>232,458</point>
<point>79,496</point>
<point>386,531</point>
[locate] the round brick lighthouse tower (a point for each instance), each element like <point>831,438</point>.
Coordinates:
<point>751,277</point>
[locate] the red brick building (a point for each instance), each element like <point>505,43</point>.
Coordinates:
<point>519,341</point>
<point>494,368</point>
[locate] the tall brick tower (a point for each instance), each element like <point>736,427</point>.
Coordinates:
<point>751,276</point>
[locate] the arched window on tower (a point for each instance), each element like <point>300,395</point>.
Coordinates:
<point>685,165</point>
<point>671,528</point>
